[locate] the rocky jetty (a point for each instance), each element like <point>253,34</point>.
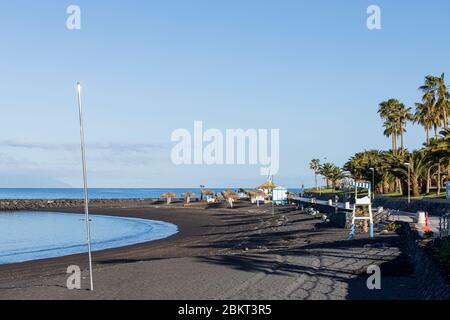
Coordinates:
<point>18,205</point>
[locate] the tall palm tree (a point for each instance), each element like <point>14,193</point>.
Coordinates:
<point>439,155</point>
<point>390,130</point>
<point>395,115</point>
<point>326,170</point>
<point>336,176</point>
<point>403,115</point>
<point>315,166</point>
<point>434,87</point>
<point>427,116</point>
<point>386,110</point>
<point>423,116</point>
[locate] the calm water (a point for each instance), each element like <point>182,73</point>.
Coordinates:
<point>107,193</point>
<point>26,236</point>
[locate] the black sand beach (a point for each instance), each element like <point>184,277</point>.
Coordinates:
<point>219,253</point>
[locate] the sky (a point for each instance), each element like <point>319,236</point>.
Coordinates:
<point>311,69</point>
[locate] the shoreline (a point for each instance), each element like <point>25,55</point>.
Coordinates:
<point>139,251</point>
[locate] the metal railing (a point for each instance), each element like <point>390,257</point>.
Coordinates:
<point>444,223</point>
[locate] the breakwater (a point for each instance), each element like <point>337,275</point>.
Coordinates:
<point>18,205</point>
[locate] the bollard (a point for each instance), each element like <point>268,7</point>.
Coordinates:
<point>330,203</point>
<point>421,219</point>
<point>347,205</point>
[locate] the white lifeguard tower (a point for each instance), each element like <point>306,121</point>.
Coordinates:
<point>365,202</point>
<point>280,195</point>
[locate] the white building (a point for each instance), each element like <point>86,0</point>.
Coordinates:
<point>280,195</point>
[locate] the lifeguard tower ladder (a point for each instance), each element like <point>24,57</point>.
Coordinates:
<point>362,202</point>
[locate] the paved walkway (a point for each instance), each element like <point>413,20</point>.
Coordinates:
<point>395,215</point>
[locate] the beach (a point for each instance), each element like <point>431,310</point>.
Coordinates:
<point>219,253</point>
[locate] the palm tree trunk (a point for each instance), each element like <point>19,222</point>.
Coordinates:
<point>415,187</point>
<point>428,180</point>
<point>317,186</point>
<point>393,143</point>
<point>428,136</point>
<point>396,140</point>
<point>438,181</point>
<point>401,141</point>
<point>445,118</point>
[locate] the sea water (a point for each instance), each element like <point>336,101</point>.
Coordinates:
<point>100,193</point>
<point>26,236</point>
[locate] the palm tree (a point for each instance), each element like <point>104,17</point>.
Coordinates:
<point>169,196</point>
<point>336,176</point>
<point>439,154</point>
<point>326,170</point>
<point>417,161</point>
<point>443,101</point>
<point>390,130</point>
<point>387,113</point>
<point>361,164</point>
<point>395,115</point>
<point>435,87</point>
<point>315,166</point>
<point>403,115</point>
<point>423,116</point>
<point>188,196</point>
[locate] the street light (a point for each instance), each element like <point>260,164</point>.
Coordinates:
<point>409,181</point>
<point>373,182</point>
<point>85,184</point>
<point>201,192</point>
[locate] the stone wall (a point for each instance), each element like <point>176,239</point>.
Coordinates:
<point>16,205</point>
<point>432,206</point>
<point>433,284</point>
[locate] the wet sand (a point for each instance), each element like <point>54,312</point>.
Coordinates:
<point>219,253</point>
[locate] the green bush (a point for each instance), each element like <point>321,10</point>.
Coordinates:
<point>391,227</point>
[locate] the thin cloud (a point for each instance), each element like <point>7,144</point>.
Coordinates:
<point>116,147</point>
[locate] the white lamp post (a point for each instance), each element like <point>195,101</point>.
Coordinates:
<point>409,181</point>
<point>85,184</point>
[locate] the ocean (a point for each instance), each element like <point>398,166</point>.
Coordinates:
<point>98,193</point>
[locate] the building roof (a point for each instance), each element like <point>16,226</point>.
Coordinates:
<point>267,185</point>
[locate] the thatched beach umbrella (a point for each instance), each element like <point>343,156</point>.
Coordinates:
<point>206,193</point>
<point>254,194</point>
<point>230,196</point>
<point>267,187</point>
<point>169,196</point>
<point>188,196</point>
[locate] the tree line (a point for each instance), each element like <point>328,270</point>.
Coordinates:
<point>427,167</point>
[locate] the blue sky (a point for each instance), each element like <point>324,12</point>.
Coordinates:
<point>312,70</point>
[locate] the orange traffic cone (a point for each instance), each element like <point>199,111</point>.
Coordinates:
<point>426,228</point>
